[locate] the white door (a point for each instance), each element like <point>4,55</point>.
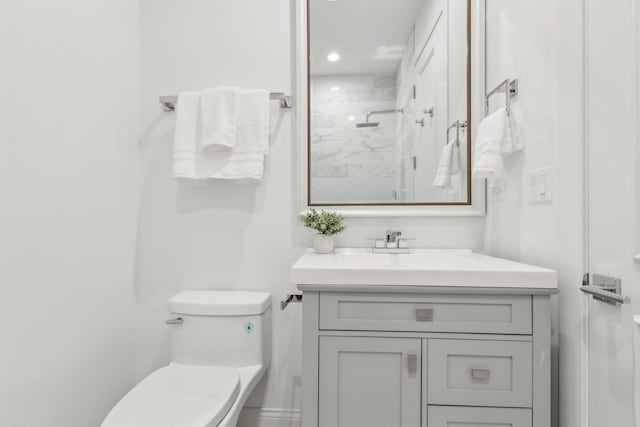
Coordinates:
<point>372,382</point>
<point>612,204</point>
<point>431,110</point>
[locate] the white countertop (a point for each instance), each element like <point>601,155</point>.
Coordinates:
<point>421,270</point>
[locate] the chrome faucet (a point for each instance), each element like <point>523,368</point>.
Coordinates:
<point>392,236</point>
<point>391,244</point>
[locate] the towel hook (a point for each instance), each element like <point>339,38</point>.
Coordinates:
<point>457,124</point>
<point>510,89</point>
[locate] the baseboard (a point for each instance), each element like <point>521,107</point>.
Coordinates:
<point>269,417</point>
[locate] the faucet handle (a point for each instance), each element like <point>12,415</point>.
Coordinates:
<point>392,235</point>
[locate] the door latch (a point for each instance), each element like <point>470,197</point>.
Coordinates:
<point>605,289</point>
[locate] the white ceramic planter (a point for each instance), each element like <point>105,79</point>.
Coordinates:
<point>322,244</point>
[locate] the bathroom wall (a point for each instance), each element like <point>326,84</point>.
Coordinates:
<point>457,28</point>
<point>68,144</point>
<point>548,109</point>
<point>353,164</point>
<point>516,49</point>
<point>227,235</point>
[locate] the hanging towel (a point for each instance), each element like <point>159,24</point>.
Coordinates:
<point>186,135</point>
<point>244,162</point>
<point>512,140</point>
<point>218,118</point>
<point>449,165</point>
<point>252,125</point>
<point>489,145</point>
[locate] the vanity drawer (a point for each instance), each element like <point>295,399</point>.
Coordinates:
<point>447,416</point>
<point>490,314</point>
<point>479,373</point>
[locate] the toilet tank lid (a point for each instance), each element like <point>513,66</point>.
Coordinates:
<point>220,303</point>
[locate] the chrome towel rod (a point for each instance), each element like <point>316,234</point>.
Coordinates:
<point>286,101</point>
<point>290,298</point>
<point>510,89</point>
<point>457,125</point>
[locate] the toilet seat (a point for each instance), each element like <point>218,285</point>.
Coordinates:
<point>178,395</point>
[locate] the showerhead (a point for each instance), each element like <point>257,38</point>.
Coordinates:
<point>368,125</point>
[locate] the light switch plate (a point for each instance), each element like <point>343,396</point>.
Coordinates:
<point>540,186</point>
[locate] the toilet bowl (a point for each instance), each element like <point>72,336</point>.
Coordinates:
<point>220,348</point>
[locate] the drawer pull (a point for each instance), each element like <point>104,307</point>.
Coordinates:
<point>424,314</point>
<point>412,363</point>
<point>480,374</point>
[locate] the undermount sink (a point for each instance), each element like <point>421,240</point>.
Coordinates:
<point>420,267</point>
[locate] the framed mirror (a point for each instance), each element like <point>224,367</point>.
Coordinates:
<point>389,103</point>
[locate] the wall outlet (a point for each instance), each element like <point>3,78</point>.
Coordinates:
<point>540,186</point>
<point>497,190</point>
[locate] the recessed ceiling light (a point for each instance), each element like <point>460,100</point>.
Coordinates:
<point>351,118</point>
<point>335,88</point>
<point>333,57</point>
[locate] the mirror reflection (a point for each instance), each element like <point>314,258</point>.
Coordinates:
<point>389,102</point>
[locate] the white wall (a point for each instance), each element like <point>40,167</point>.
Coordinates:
<point>68,143</point>
<point>457,60</point>
<point>228,235</point>
<point>70,84</point>
<point>517,49</point>
<point>549,66</point>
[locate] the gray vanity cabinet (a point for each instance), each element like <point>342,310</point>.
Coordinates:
<point>368,381</point>
<point>435,358</point>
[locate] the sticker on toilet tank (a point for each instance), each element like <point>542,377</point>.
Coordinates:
<point>248,328</point>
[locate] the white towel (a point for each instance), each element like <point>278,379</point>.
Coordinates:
<point>219,116</point>
<point>252,125</point>
<point>512,140</point>
<point>244,161</point>
<point>449,165</point>
<point>186,135</point>
<point>489,144</point>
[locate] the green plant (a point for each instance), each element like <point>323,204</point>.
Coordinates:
<point>327,223</point>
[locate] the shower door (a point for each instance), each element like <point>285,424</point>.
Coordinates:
<point>611,131</point>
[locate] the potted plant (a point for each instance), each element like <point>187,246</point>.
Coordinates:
<point>327,224</point>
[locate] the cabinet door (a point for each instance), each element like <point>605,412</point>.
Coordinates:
<point>373,382</point>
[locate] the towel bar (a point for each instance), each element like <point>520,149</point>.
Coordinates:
<point>286,101</point>
<point>458,124</point>
<point>510,89</point>
<point>290,298</point>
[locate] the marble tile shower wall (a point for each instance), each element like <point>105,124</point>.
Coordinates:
<point>353,164</point>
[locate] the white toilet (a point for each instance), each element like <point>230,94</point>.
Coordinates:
<point>220,348</point>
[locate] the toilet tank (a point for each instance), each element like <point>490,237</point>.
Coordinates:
<point>221,328</point>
